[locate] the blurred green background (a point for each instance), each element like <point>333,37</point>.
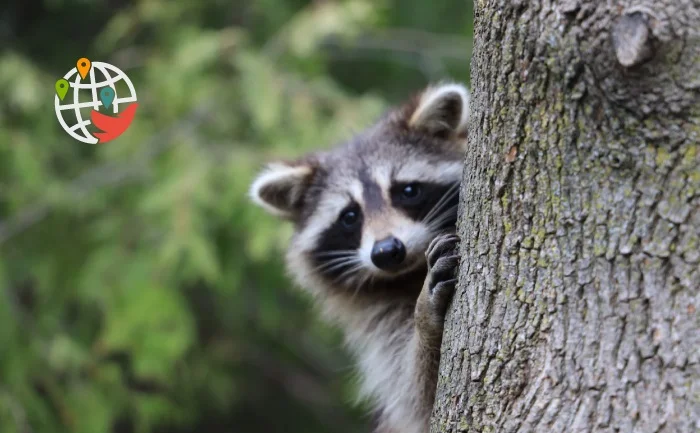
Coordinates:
<point>140,291</point>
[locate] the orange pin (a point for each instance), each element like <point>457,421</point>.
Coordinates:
<point>83,67</point>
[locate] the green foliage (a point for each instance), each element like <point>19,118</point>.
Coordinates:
<point>139,289</point>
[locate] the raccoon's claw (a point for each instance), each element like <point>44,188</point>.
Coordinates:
<point>441,246</point>
<point>442,265</point>
<point>443,271</point>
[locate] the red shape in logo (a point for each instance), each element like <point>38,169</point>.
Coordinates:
<point>113,127</point>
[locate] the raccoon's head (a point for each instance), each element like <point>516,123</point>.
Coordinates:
<point>366,211</point>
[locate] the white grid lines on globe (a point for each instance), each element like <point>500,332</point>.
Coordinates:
<point>78,105</point>
<point>78,116</point>
<point>110,78</point>
<point>79,125</point>
<point>115,103</point>
<point>93,87</point>
<point>71,131</point>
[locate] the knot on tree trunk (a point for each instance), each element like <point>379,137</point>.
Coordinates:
<point>632,38</point>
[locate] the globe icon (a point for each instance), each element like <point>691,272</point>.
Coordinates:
<point>75,108</point>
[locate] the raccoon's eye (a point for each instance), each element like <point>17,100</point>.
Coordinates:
<point>409,195</point>
<point>411,191</point>
<point>350,218</point>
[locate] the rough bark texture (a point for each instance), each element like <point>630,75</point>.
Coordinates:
<point>577,304</point>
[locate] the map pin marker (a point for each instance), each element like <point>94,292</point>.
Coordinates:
<point>107,96</point>
<point>83,67</point>
<point>62,88</point>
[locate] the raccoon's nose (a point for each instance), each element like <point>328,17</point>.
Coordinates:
<point>388,253</point>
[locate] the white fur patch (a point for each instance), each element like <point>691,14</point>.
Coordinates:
<point>283,176</point>
<point>423,171</point>
<point>386,360</point>
<point>355,187</point>
<point>430,108</point>
<point>365,250</point>
<point>381,174</point>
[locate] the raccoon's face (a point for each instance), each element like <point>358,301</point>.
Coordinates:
<point>366,211</point>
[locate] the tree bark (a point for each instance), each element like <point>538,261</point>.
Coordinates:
<point>578,295</point>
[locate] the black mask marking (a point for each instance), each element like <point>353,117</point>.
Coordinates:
<point>339,237</point>
<point>441,197</point>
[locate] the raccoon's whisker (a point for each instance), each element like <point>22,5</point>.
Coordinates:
<point>364,279</point>
<point>335,253</point>
<point>447,198</point>
<point>356,291</point>
<point>323,261</point>
<point>337,260</point>
<point>349,272</point>
<point>352,266</point>
<point>368,277</point>
<point>358,265</point>
<point>339,263</point>
<point>449,193</point>
<point>444,200</point>
<point>330,267</point>
<point>439,215</point>
<point>443,217</point>
<point>369,280</point>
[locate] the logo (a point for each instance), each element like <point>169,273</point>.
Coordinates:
<point>95,102</point>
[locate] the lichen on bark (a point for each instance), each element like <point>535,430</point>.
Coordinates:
<point>579,286</point>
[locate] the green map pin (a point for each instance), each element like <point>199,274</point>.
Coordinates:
<point>62,88</point>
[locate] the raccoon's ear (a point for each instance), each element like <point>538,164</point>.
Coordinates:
<point>441,110</point>
<point>280,187</point>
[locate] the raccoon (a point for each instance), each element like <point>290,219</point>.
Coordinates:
<point>374,241</point>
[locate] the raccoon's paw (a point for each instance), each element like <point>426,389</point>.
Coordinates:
<point>443,262</point>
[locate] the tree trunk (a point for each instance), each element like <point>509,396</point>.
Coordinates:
<point>578,296</point>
